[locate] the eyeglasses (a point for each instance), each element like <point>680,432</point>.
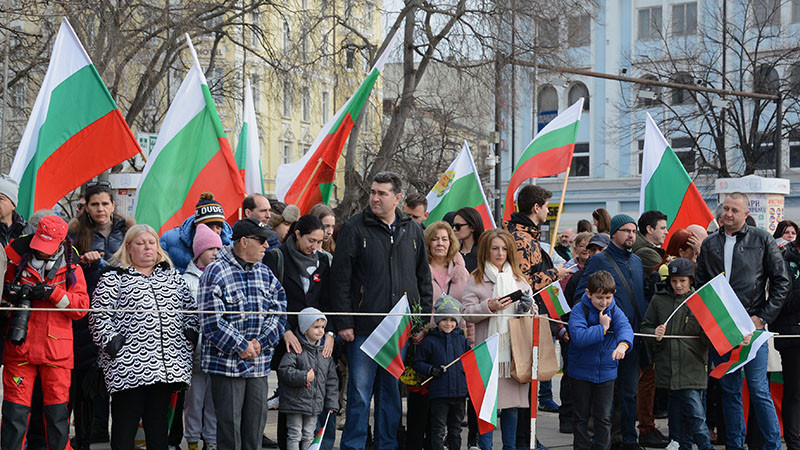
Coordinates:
<point>457,226</point>
<point>628,230</point>
<point>92,184</point>
<point>260,239</point>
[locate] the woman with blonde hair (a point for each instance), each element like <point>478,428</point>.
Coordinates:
<point>147,355</point>
<point>487,296</point>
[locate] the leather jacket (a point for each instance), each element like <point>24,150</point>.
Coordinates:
<point>756,259</point>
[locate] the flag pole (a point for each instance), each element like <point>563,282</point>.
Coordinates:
<point>535,378</point>
<point>314,172</point>
<point>560,209</point>
<point>446,367</point>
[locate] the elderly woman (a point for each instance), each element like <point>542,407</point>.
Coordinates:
<point>486,296</point>
<point>147,355</point>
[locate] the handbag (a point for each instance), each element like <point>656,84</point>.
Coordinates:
<point>548,362</point>
<point>521,332</point>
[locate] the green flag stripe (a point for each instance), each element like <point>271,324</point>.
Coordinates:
<point>665,190</point>
<point>717,309</point>
<point>554,139</point>
<point>241,148</point>
<point>391,348</point>
<point>357,101</point>
<point>556,301</point>
<point>483,359</point>
<point>465,191</point>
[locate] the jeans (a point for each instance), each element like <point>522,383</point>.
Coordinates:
<point>592,400</point>
<point>691,427</point>
<point>545,391</point>
<point>627,386</point>
<point>364,377</point>
<point>299,431</point>
<point>330,432</point>
<point>446,415</point>
<point>758,386</point>
<point>790,360</point>
<point>508,429</point>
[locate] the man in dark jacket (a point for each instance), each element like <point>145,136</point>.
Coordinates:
<point>380,256</point>
<point>11,223</point>
<point>749,257</point>
<point>626,268</point>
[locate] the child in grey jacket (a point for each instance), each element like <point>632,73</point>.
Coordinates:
<point>307,382</point>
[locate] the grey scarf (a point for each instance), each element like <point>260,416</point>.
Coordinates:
<point>306,264</point>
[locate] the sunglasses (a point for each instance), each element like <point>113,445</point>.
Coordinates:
<point>260,239</point>
<point>457,226</point>
<point>92,184</point>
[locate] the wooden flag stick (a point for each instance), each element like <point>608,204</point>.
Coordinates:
<point>314,172</point>
<point>558,216</point>
<point>446,367</point>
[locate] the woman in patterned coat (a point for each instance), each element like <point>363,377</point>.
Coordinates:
<point>145,356</point>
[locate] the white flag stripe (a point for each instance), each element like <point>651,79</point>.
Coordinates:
<point>735,308</point>
<point>489,404</point>
<point>754,347</point>
<point>569,116</point>
<point>655,144</point>
<point>252,167</point>
<point>386,329</point>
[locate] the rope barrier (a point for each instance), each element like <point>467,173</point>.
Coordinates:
<point>298,313</point>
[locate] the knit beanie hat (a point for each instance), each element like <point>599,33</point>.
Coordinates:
<point>9,188</point>
<point>291,214</point>
<point>208,211</point>
<point>204,239</point>
<point>307,318</point>
<point>618,221</point>
<point>446,307</point>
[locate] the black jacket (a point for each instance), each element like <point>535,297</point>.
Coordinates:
<point>440,349</point>
<point>10,232</point>
<point>756,259</point>
<point>373,268</point>
<point>788,320</point>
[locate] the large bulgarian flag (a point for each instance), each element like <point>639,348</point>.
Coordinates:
<point>742,354</point>
<point>248,148</point>
<point>309,180</point>
<point>480,368</point>
<point>553,299</point>
<point>666,186</point>
<point>458,187</point>
<point>191,156</point>
<point>721,314</point>
<point>549,153</point>
<point>386,342</point>
<point>75,131</point>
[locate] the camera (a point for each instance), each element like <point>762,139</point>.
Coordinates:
<point>18,327</point>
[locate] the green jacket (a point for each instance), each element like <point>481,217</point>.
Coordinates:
<point>679,363</point>
<point>650,255</point>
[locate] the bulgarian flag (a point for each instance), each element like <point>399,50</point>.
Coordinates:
<point>553,298</point>
<point>458,187</point>
<point>743,354</point>
<point>480,368</point>
<point>317,442</point>
<point>721,314</point>
<point>666,186</point>
<point>248,148</point>
<point>75,131</point>
<point>387,341</point>
<point>191,156</point>
<point>549,153</point>
<point>309,180</point>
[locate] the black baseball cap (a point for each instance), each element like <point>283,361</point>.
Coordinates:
<point>250,227</point>
<point>601,240</point>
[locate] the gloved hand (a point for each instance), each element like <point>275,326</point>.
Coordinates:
<point>525,303</point>
<point>41,291</point>
<point>437,371</point>
<point>11,293</point>
<point>115,345</point>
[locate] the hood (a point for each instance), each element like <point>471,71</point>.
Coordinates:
<point>523,223</point>
<point>588,302</point>
<point>186,232</point>
<point>308,345</point>
<point>193,270</point>
<point>118,223</point>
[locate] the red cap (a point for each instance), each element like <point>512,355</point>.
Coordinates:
<point>49,234</point>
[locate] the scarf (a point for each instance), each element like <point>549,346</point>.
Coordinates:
<point>307,264</point>
<point>47,268</point>
<point>504,284</point>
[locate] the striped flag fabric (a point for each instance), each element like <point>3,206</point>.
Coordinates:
<point>248,148</point>
<point>721,314</point>
<point>316,443</point>
<point>386,342</point>
<point>75,130</point>
<point>549,153</point>
<point>743,354</point>
<point>666,186</point>
<point>553,299</point>
<point>480,368</point>
<point>191,156</point>
<point>458,187</point>
<point>309,180</point>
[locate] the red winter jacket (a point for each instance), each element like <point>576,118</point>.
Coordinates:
<point>49,339</point>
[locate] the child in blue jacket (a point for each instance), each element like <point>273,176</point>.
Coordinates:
<point>448,389</point>
<point>600,335</point>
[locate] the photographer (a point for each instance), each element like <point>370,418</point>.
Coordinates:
<point>41,274</point>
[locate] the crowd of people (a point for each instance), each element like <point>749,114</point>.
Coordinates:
<point>144,357</point>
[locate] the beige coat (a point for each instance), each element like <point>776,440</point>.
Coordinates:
<point>511,394</point>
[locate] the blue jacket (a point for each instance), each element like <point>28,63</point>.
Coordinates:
<point>631,267</point>
<point>441,349</point>
<point>589,348</point>
<point>177,242</point>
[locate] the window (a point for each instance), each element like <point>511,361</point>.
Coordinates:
<point>684,19</point>
<point>795,11</point>
<point>255,83</point>
<point>304,47</point>
<point>580,160</point>
<point>216,85</point>
<point>306,105</point>
<point>349,57</point>
<point>369,16</point>
<point>325,49</point>
<point>794,79</point>
<point>648,95</point>
<point>348,10</point>
<point>287,99</point>
<point>326,107</point>
<point>577,91</point>
<point>579,30</point>
<point>365,61</point>
<point>767,13</point>
<point>650,23</point>
<point>547,106</point>
<point>255,20</point>
<point>287,152</point>
<point>682,96</point>
<point>547,34</point>
<point>794,149</point>
<point>685,151</point>
<point>18,93</point>
<point>640,143</point>
<point>766,80</point>
<point>287,38</point>
<point>767,157</point>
